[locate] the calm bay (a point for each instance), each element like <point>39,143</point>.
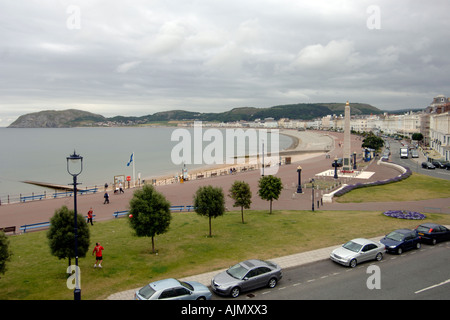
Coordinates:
<point>39,154</point>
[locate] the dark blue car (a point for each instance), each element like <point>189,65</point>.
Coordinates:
<point>401,240</point>
<point>432,232</point>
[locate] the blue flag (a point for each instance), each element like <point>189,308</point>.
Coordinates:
<point>131,160</point>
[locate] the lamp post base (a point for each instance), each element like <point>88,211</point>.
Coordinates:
<point>77,294</point>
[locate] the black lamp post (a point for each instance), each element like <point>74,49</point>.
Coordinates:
<point>354,160</point>
<point>312,181</point>
<point>299,187</point>
<point>335,168</point>
<point>74,168</point>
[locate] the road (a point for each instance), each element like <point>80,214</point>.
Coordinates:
<point>415,164</point>
<point>415,275</point>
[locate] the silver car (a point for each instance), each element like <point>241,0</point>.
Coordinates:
<point>172,289</point>
<point>356,251</point>
<point>245,276</point>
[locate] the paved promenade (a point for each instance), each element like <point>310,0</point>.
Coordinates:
<point>182,194</point>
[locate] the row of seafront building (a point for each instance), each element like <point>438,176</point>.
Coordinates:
<point>433,122</point>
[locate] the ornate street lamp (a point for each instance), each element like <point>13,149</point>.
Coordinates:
<point>299,187</point>
<point>74,168</point>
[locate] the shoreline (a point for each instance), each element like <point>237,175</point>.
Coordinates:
<point>305,144</point>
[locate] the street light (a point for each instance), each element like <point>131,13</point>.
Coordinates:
<point>74,168</point>
<point>312,181</point>
<point>299,187</point>
<point>354,160</point>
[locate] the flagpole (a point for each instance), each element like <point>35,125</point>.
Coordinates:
<point>134,172</point>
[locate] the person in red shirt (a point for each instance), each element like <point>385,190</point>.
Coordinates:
<point>89,214</point>
<point>98,255</point>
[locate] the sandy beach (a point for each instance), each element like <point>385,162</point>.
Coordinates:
<point>305,145</point>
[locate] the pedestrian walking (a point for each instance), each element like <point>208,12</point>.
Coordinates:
<point>106,196</point>
<point>98,250</point>
<point>121,188</point>
<point>90,216</point>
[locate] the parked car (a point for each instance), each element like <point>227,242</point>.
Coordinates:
<point>438,164</point>
<point>432,232</point>
<point>428,165</point>
<point>340,163</point>
<point>172,289</point>
<point>245,276</point>
<point>447,165</point>
<point>356,251</point>
<point>401,240</point>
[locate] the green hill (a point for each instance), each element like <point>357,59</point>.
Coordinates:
<point>77,118</point>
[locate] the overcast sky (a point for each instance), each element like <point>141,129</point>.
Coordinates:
<point>140,57</point>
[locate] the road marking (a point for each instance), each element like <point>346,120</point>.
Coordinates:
<point>296,284</point>
<point>434,286</point>
<point>311,280</point>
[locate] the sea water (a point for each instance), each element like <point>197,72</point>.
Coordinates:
<point>39,154</point>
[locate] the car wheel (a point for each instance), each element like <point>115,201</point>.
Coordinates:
<point>353,263</point>
<point>272,283</point>
<point>399,250</point>
<point>201,298</point>
<point>418,245</point>
<point>235,292</point>
<point>379,256</point>
<point>433,242</point>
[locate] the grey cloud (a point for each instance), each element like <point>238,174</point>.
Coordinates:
<point>215,55</point>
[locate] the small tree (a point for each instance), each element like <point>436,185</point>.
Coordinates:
<point>270,189</point>
<point>241,194</point>
<point>61,234</point>
<point>373,142</point>
<point>417,136</point>
<point>5,253</point>
<point>149,213</point>
<point>209,202</point>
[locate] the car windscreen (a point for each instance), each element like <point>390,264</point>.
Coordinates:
<point>237,271</point>
<point>146,292</point>
<point>396,236</point>
<point>352,246</point>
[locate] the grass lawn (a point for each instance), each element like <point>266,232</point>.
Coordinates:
<point>184,250</point>
<point>416,187</point>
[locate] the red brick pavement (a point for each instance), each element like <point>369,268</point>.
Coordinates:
<point>182,194</point>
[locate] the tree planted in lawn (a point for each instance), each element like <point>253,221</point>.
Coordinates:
<point>5,253</point>
<point>241,194</point>
<point>61,234</point>
<point>270,189</point>
<point>209,202</point>
<point>149,213</point>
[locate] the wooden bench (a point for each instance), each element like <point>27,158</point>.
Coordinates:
<point>9,229</point>
<point>26,227</point>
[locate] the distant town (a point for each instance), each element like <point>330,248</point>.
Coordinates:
<point>433,123</point>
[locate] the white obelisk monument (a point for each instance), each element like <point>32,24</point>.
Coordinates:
<point>347,150</point>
